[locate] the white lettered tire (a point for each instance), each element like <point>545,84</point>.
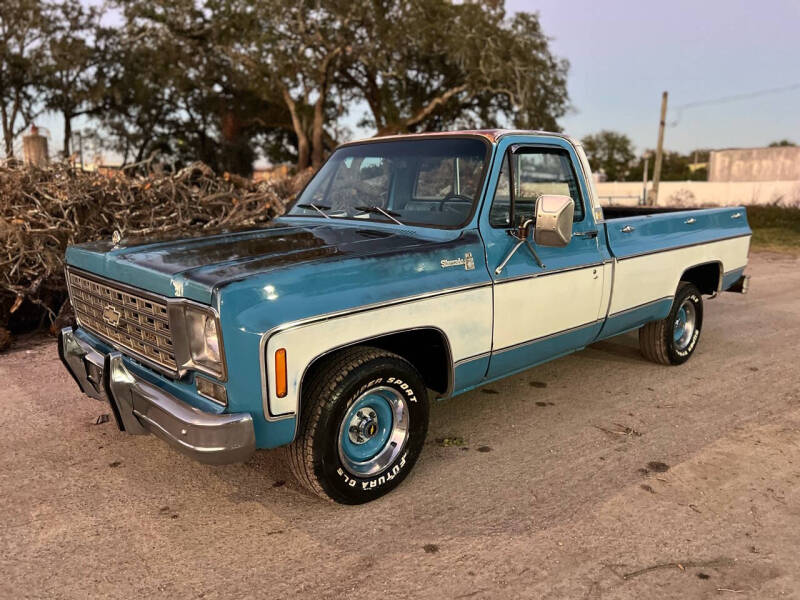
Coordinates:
<point>363,421</point>
<point>673,340</point>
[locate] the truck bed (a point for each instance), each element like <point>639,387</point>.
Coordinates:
<point>643,230</point>
<point>617,212</point>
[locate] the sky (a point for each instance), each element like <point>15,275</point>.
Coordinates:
<point>624,54</point>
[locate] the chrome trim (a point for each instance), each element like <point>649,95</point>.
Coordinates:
<point>463,361</point>
<point>177,318</point>
<point>515,148</point>
<point>267,336</point>
<point>552,272</point>
<point>545,337</point>
<point>638,306</point>
<point>211,398</point>
<point>74,355</point>
<point>688,326</point>
<point>611,291</point>
<point>648,252</point>
<point>137,322</point>
<point>175,308</point>
<point>141,407</point>
<point>510,254</point>
<point>394,445</point>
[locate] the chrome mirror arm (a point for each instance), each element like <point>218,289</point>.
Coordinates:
<point>535,256</point>
<point>500,267</point>
<point>522,238</point>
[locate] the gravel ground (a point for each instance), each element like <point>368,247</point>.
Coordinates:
<point>598,475</point>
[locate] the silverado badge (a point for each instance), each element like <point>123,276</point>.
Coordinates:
<point>111,315</point>
<point>467,261</point>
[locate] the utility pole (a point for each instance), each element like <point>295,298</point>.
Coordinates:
<point>659,150</point>
<point>644,178</point>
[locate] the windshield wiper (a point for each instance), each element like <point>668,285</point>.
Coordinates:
<point>378,210</point>
<point>321,208</point>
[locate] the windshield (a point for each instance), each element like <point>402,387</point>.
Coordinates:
<point>428,182</point>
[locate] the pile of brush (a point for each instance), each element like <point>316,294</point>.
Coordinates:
<point>42,211</point>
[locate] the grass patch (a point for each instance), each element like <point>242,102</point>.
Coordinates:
<point>775,228</point>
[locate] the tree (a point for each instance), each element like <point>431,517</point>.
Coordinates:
<point>674,167</point>
<point>782,143</point>
<point>419,65</point>
<point>23,25</point>
<point>216,79</point>
<point>424,65</point>
<point>296,57</point>
<point>610,151</point>
<point>139,96</point>
<point>72,56</point>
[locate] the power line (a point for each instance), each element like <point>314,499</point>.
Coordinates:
<point>735,98</point>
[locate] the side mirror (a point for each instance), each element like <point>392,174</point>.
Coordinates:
<point>553,220</point>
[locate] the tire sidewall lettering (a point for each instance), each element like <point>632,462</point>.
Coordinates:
<point>367,484</point>
<point>373,482</point>
<point>685,352</point>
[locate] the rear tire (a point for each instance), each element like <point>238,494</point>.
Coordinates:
<point>363,422</point>
<point>673,340</point>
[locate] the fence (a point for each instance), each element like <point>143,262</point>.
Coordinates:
<point>703,193</point>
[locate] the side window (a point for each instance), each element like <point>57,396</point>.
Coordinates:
<point>538,171</point>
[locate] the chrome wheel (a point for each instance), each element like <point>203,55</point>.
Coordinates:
<point>373,432</point>
<point>684,326</point>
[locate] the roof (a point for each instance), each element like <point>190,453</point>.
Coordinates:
<point>492,135</point>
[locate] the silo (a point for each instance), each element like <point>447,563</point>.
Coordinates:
<point>34,148</point>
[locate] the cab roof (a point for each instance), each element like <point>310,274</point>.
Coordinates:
<point>492,135</point>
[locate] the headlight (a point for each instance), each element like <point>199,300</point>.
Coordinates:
<point>204,342</point>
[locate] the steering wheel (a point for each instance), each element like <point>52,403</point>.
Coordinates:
<point>454,198</point>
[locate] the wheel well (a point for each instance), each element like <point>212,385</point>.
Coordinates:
<point>427,349</point>
<point>706,277</point>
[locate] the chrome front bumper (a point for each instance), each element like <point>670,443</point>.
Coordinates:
<point>140,407</point>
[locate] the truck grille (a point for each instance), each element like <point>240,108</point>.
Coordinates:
<point>134,322</point>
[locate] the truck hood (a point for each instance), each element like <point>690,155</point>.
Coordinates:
<point>194,268</point>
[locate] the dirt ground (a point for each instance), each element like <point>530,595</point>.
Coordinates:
<point>598,475</point>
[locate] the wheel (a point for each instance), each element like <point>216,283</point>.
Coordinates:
<point>673,340</point>
<point>363,421</point>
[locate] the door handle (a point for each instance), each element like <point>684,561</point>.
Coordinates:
<point>591,233</point>
<point>627,229</point>
<point>736,215</point>
<point>690,221</point>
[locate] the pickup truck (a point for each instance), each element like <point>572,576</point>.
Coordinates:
<point>410,268</point>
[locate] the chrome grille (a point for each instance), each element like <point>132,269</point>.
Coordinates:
<point>135,322</point>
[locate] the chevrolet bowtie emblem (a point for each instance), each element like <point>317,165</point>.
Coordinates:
<point>111,315</point>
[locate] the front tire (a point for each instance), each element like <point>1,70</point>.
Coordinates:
<point>673,340</point>
<point>363,421</point>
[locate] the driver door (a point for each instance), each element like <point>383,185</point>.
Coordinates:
<point>541,311</point>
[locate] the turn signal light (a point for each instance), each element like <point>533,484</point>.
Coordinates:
<point>280,372</point>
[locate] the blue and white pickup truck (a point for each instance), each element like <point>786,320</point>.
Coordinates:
<point>411,267</point>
